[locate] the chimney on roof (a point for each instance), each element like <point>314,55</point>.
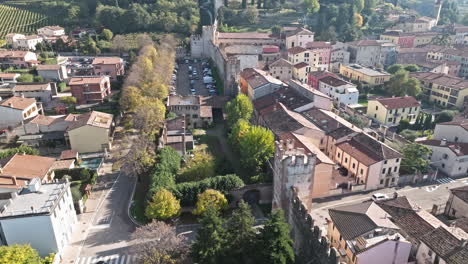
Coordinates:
<point>15,182</point>
<point>464,242</point>
<point>74,118</point>
<point>443,142</point>
<point>22,95</point>
<point>10,104</point>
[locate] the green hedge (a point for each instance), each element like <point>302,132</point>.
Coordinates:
<point>163,175</point>
<point>187,192</point>
<point>78,174</point>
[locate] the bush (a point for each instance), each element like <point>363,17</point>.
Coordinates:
<point>187,192</point>
<point>68,100</point>
<point>163,176</point>
<point>163,206</point>
<point>21,149</point>
<point>210,198</point>
<point>76,193</point>
<point>77,174</point>
<point>410,135</point>
<point>201,166</point>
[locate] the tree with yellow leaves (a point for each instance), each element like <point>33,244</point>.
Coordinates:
<point>163,206</point>
<point>210,198</point>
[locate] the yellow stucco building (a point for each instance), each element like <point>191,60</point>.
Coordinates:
<point>360,73</point>
<point>390,111</point>
<point>91,132</point>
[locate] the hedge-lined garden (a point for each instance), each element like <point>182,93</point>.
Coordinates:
<point>79,178</point>
<point>164,175</point>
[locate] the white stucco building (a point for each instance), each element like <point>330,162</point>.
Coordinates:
<point>16,109</point>
<point>41,215</point>
<point>339,90</point>
<point>299,38</point>
<point>51,31</point>
<point>42,92</point>
<point>28,42</point>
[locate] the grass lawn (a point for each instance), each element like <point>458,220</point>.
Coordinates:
<point>362,101</point>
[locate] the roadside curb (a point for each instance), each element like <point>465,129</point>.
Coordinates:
<point>129,206</point>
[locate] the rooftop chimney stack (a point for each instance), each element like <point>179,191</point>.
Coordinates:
<point>443,142</point>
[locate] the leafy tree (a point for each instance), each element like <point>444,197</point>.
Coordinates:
<point>464,21</point>
<point>276,30</point>
<point>26,77</point>
<point>239,108</point>
<point>2,43</point>
<point>21,149</point>
<point>410,135</point>
<point>240,235</point>
<point>210,198</point>
<point>427,121</point>
<point>202,165</point>
<point>239,129</point>
<point>359,5</point>
<point>415,158</point>
<point>68,100</point>
<point>256,146</point>
<point>62,86</point>
<point>163,206</point>
<point>251,15</point>
<point>38,79</point>
<point>412,68</point>
<point>244,4</point>
<point>358,20</point>
<point>400,84</point>
<point>19,254</point>
<point>449,13</point>
<point>275,246</point>
<point>159,243</point>
<point>311,6</point>
<point>445,116</point>
<point>210,240</point>
<point>404,124</point>
<point>395,68</point>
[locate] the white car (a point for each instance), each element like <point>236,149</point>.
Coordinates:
<point>379,196</point>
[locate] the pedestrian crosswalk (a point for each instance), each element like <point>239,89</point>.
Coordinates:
<point>113,259</point>
<point>445,180</point>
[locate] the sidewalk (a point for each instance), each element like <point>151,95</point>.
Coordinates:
<point>86,219</point>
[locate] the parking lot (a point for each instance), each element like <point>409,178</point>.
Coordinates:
<point>190,78</point>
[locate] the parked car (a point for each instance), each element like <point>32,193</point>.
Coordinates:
<point>379,196</point>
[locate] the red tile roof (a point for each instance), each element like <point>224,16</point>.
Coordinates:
<point>18,102</point>
<point>246,35</point>
<point>301,65</point>
<point>296,50</point>
<point>86,80</point>
<point>398,102</point>
<point>107,60</point>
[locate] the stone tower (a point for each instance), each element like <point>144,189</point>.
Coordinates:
<point>292,168</point>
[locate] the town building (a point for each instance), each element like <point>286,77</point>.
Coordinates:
<point>196,114</point>
<point>270,53</point>
<point>9,77</point>
<point>453,54</point>
<point>257,83</point>
<point>391,110</point>
<point>41,215</point>
<point>299,54</point>
<point>453,131</point>
<point>315,76</point>
<point>371,164</point>
<point>340,91</point>
<point>51,31</point>
<point>12,38</point>
<point>365,52</point>
<point>15,110</point>
<point>28,42</point>
<point>457,203</point>
<point>301,72</point>
<point>320,52</point>
<point>318,99</point>
<point>281,69</point>
<point>338,55</point>
<point>363,74</point>
<point>409,40</point>
<point>363,236</point>
<point>19,169</point>
<point>17,59</point>
<point>42,92</point>
<point>177,136</point>
<point>88,90</point>
<point>448,157</point>
<point>299,38</point>
<point>109,66</point>
<point>443,89</point>
<point>90,132</point>
<point>54,72</point>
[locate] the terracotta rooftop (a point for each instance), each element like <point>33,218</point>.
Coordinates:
<point>18,102</point>
<point>365,42</point>
<point>326,120</point>
<point>37,166</point>
<point>23,87</point>
<point>296,50</point>
<point>54,27</point>
<point>333,81</point>
<point>299,31</point>
<point>318,45</point>
<point>94,118</point>
<point>13,53</point>
<point>281,63</point>
<point>270,49</point>
<point>287,96</point>
<point>459,148</point>
<point>398,102</point>
<point>86,80</point>
<point>257,78</point>
<point>367,150</point>
<point>43,120</point>
<point>107,60</point>
<point>301,65</point>
<point>48,67</point>
<point>68,154</point>
<point>9,75</point>
<point>206,111</point>
<point>441,79</point>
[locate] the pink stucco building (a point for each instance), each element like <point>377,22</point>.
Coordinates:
<point>110,66</point>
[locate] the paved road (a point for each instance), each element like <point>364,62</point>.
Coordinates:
<point>425,196</point>
<point>105,229</point>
